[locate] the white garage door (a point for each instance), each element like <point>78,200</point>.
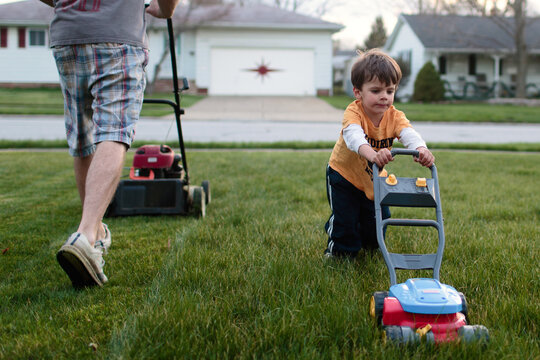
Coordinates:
<point>240,71</point>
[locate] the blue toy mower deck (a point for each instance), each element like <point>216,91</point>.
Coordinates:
<point>420,308</point>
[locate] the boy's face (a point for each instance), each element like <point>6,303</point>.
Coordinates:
<point>376,98</point>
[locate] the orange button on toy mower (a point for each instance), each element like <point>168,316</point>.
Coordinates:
<point>421,182</point>
<point>391,179</point>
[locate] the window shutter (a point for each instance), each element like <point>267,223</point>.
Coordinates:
<point>3,37</point>
<point>22,37</point>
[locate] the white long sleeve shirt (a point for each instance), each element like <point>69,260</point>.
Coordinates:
<point>355,137</point>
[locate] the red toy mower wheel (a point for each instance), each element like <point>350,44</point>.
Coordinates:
<point>376,306</point>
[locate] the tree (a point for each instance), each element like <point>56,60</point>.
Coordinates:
<point>509,15</point>
<point>309,7</point>
<point>514,26</point>
<point>184,20</point>
<point>428,86</point>
<point>377,37</point>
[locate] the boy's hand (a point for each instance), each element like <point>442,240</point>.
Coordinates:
<point>382,157</point>
<point>425,157</point>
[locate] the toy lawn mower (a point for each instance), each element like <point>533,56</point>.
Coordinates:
<point>421,309</point>
<point>158,180</point>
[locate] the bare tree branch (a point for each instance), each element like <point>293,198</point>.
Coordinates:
<point>183,22</point>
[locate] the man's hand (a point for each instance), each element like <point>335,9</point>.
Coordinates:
<point>163,9</point>
<point>425,157</point>
<point>48,2</point>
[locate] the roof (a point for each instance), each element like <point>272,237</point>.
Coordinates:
<point>247,16</point>
<point>470,33</point>
<point>26,13</point>
<point>34,12</point>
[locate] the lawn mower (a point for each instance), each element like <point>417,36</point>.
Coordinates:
<point>159,180</point>
<point>421,309</point>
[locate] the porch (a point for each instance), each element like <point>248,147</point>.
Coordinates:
<point>484,76</point>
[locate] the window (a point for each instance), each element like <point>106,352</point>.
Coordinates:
<point>442,65</point>
<point>3,37</point>
<point>472,64</point>
<point>36,37</point>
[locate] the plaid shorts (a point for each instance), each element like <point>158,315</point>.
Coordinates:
<point>103,86</point>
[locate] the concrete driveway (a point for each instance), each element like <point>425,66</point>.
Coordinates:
<point>263,108</point>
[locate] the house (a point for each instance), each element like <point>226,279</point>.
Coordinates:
<point>340,60</point>
<point>221,49</point>
<point>474,55</point>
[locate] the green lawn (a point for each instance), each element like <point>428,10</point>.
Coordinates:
<point>45,101</point>
<point>457,112</point>
<point>249,280</point>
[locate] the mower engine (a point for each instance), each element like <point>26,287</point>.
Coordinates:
<point>156,162</point>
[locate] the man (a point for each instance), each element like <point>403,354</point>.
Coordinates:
<point>100,49</point>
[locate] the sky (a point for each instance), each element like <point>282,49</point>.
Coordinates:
<point>358,15</point>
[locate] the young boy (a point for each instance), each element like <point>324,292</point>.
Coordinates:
<point>370,125</point>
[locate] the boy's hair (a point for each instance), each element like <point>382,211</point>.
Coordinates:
<point>375,64</point>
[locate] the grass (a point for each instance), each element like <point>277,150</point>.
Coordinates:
<point>45,101</point>
<point>456,112</point>
<point>284,145</point>
<point>249,281</point>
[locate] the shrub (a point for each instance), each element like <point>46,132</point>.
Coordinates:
<point>428,86</point>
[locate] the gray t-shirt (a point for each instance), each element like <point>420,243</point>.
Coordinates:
<point>98,21</point>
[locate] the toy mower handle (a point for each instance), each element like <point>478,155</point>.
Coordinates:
<point>395,152</point>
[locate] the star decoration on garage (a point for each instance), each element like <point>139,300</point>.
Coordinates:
<point>262,70</point>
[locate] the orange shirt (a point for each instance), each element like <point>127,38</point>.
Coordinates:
<point>353,167</point>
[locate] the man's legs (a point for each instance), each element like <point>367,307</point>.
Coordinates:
<point>97,177</point>
<point>81,166</point>
<point>103,87</point>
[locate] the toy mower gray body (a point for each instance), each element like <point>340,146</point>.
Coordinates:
<point>421,308</point>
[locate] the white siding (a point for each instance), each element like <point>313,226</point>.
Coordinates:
<point>36,64</point>
<point>317,41</point>
<point>262,71</point>
<point>406,40</point>
<point>31,64</point>
<point>185,55</point>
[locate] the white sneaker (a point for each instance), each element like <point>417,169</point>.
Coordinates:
<point>104,243</point>
<point>82,262</point>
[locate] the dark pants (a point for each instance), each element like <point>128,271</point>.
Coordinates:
<point>351,226</point>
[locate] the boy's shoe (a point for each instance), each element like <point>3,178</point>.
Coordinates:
<point>104,243</point>
<point>82,262</point>
<point>328,254</point>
